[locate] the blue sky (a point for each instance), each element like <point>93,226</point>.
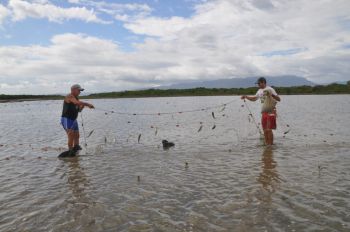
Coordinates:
<point>40,30</point>
<point>47,45</point>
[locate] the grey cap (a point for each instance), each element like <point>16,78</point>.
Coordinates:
<point>77,86</point>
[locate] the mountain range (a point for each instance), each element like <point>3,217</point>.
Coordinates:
<point>279,81</point>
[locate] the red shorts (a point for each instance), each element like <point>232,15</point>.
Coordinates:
<point>268,121</point>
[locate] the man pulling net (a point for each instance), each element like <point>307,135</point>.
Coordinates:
<point>269,99</point>
<point>71,108</point>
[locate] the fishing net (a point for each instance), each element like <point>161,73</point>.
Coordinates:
<point>227,124</point>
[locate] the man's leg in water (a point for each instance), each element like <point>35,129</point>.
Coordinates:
<point>268,137</point>
<point>76,138</point>
<point>70,135</point>
<point>271,137</point>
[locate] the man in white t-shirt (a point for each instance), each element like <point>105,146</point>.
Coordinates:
<point>269,99</point>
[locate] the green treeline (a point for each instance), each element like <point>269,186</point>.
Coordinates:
<point>23,97</point>
<point>319,89</point>
<point>297,90</point>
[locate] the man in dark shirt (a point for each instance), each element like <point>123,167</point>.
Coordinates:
<point>71,107</point>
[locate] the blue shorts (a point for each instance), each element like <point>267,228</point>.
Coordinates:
<point>69,124</point>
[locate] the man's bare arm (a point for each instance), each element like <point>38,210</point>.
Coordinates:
<point>250,98</point>
<point>81,104</point>
<point>276,97</point>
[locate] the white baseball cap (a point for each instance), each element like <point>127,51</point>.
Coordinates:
<point>77,86</point>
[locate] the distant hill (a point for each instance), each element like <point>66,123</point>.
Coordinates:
<point>280,81</point>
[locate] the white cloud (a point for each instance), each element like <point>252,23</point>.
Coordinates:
<point>120,11</point>
<point>153,26</point>
<point>4,12</point>
<point>222,39</point>
<point>234,34</point>
<point>72,58</point>
<point>42,9</point>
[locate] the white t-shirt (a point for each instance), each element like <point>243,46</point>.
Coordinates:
<point>260,94</point>
<point>267,101</point>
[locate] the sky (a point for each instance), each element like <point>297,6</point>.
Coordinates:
<point>48,45</point>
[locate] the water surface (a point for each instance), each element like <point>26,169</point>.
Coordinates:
<point>231,183</point>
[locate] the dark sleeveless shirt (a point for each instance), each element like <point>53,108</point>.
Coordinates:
<point>70,110</point>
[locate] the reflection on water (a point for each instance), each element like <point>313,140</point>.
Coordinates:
<point>269,176</point>
<point>76,178</point>
<point>219,179</point>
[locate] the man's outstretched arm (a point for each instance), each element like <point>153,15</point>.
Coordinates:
<point>79,103</point>
<point>250,98</point>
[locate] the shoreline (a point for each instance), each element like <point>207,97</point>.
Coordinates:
<point>133,97</point>
<point>332,89</point>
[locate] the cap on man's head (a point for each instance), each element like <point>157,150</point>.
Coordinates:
<point>77,86</point>
<point>261,80</point>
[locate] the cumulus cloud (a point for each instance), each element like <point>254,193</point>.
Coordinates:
<point>299,35</point>
<point>4,12</point>
<point>72,58</point>
<point>43,9</point>
<point>222,39</point>
<point>120,11</point>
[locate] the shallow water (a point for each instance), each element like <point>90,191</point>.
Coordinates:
<point>231,183</point>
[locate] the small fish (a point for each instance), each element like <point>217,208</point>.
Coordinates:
<point>286,132</point>
<point>212,114</point>
<point>200,128</point>
<point>91,132</point>
<point>105,139</point>
<point>213,127</point>
<point>156,132</point>
<point>138,139</point>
